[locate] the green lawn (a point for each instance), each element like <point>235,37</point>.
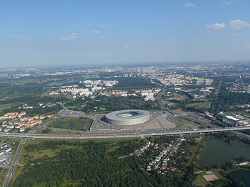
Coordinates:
<point>71,123</point>
<point>178,96</point>
<point>182,120</point>
<point>200,105</point>
<point>3,173</point>
<point>57,132</point>
<point>200,181</point>
<point>9,105</point>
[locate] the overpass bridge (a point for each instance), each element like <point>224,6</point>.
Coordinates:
<point>197,131</point>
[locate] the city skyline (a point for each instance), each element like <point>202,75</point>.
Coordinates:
<point>37,33</point>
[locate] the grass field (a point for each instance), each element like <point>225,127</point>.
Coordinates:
<point>182,120</point>
<point>98,140</point>
<point>180,96</point>
<point>57,132</point>
<point>82,124</point>
<point>9,105</point>
<point>33,155</point>
<point>200,105</point>
<point>3,173</point>
<point>200,181</point>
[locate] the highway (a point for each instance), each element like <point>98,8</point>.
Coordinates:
<point>87,135</point>
<point>163,104</point>
<point>14,163</point>
<point>90,135</point>
<point>198,131</point>
<point>72,113</point>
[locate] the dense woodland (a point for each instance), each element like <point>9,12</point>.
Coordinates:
<point>91,163</point>
<point>228,100</point>
<point>104,103</point>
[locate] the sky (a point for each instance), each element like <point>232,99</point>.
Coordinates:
<point>72,32</point>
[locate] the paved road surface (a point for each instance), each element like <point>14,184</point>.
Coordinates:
<point>14,162</point>
<point>89,135</point>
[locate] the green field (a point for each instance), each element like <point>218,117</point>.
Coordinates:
<point>200,105</point>
<point>9,105</point>
<point>57,132</point>
<point>200,181</point>
<point>3,173</point>
<point>81,124</point>
<point>182,120</point>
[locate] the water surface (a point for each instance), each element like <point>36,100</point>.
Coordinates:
<point>218,151</point>
<point>71,126</point>
<point>58,125</point>
<point>241,176</point>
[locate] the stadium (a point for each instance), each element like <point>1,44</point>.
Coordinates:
<point>128,117</point>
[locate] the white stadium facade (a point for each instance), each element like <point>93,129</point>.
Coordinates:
<point>128,117</point>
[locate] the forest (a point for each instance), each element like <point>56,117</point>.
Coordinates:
<point>104,103</point>
<point>75,163</point>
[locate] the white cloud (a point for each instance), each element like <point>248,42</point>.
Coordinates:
<point>189,5</point>
<point>228,2</point>
<point>126,46</point>
<point>216,26</point>
<point>70,37</point>
<point>233,24</point>
<point>97,32</point>
<point>238,24</point>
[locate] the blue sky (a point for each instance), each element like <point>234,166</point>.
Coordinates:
<point>68,32</point>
